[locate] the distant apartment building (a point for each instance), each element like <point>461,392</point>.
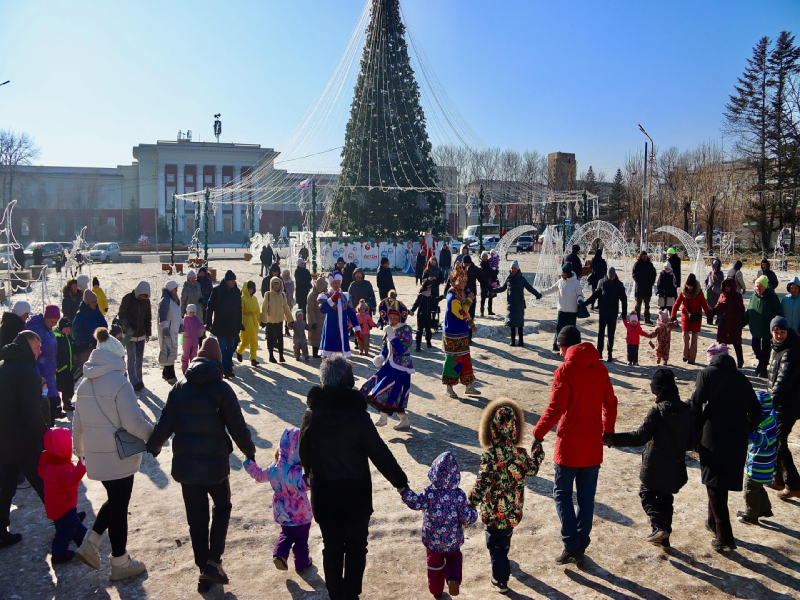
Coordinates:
<point>561,170</point>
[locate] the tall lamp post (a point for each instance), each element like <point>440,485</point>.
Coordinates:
<point>646,206</point>
<point>480,220</point>
<point>314,226</point>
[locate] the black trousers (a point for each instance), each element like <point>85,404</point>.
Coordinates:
<point>275,338</point>
<point>428,334</point>
<point>633,353</point>
<point>658,507</point>
<point>739,355</point>
<point>9,477</point>
<point>195,499</point>
<point>302,302</point>
<point>514,331</point>
<point>344,557</point>
<point>498,542</point>
<point>484,296</point>
<point>719,519</point>
<point>646,302</point>
<point>608,325</point>
<point>785,469</point>
<point>113,515</point>
<point>762,348</point>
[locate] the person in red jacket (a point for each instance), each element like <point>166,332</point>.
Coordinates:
<point>583,404</point>
<point>61,479</point>
<point>693,301</point>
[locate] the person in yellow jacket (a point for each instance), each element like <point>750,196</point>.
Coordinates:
<point>102,302</point>
<point>250,320</point>
<point>274,310</point>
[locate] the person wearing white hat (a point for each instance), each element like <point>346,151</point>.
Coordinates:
<point>192,294</point>
<point>169,319</point>
<point>14,322</point>
<point>335,305</point>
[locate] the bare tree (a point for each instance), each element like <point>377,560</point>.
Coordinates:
<point>16,150</point>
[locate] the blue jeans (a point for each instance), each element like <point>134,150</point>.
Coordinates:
<point>68,527</point>
<point>227,346</point>
<point>575,530</point>
<point>135,359</point>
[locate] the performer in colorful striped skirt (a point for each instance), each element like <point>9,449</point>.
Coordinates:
<point>388,390</point>
<point>455,335</point>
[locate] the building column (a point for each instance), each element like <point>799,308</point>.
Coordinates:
<point>161,192</point>
<point>237,198</point>
<point>254,181</point>
<point>179,205</point>
<point>218,211</point>
<point>200,186</point>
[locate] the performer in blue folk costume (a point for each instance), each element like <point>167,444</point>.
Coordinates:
<point>335,305</point>
<point>388,390</point>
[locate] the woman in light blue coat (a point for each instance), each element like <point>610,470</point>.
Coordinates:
<point>791,304</point>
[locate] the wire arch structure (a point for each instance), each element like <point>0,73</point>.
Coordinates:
<point>617,250</point>
<point>505,243</point>
<point>692,247</point>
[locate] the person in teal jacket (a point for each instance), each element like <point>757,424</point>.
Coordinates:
<point>764,306</point>
<point>791,304</point>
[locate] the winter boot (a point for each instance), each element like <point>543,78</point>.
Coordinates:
<point>254,362</point>
<point>382,420</point>
<point>314,352</point>
<point>513,338</point>
<point>280,357</point>
<point>214,573</point>
<point>272,357</point>
<point>239,357</point>
<point>123,567</point>
<point>451,392</point>
<point>428,341</point>
<point>521,341</point>
<point>490,306</point>
<point>471,391</point>
<point>403,424</point>
<point>88,553</point>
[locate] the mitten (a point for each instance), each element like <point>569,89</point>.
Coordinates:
<point>377,360</point>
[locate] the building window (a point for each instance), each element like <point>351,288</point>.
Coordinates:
<point>62,226</point>
<point>43,229</point>
<point>26,226</point>
<point>170,177</point>
<point>112,221</point>
<point>208,179</point>
<point>189,178</point>
<point>76,225</point>
<point>226,179</point>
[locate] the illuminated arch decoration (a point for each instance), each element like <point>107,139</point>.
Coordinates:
<point>692,247</point>
<point>617,251</point>
<point>504,245</point>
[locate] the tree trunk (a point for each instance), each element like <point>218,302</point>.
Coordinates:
<point>686,208</point>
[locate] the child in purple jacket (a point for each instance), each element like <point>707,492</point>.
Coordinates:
<point>446,512</point>
<point>192,328</point>
<point>290,506</point>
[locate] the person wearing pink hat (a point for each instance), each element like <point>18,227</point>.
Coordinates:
<point>42,325</point>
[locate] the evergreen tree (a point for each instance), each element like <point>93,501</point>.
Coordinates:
<point>590,181</point>
<point>617,196</point>
<point>384,190</point>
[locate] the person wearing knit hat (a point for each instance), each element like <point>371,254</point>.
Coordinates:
<point>21,308</point>
<point>675,261</point>
<point>666,432</point>
<point>102,301</point>
<point>169,324</point>
<point>13,322</point>
<point>84,282</point>
<point>192,294</point>
<point>86,321</point>
<point>210,349</point>
<point>764,306</point>
<point>759,470</point>
<point>224,319</point>
<point>193,328</point>
<point>135,317</point>
<point>570,299</point>
<point>611,298</point>
<point>715,350</point>
<point>583,405</point>
<point>667,287</point>
<point>46,363</point>
<point>65,363</point>
<point>514,286</point>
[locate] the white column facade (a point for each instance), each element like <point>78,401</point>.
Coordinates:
<point>180,203</point>
<point>161,191</point>
<point>237,199</point>
<point>218,211</point>
<point>200,186</point>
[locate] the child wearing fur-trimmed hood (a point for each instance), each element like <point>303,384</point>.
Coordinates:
<point>662,333</point>
<point>365,325</point>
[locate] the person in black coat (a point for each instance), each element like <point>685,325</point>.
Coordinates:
<point>667,432</point>
<point>266,258</point>
<point>434,274</point>
<point>337,442</point>
<point>38,256</point>
<point>599,270</point>
<point>445,261</point>
<point>198,412</point>
<point>575,260</point>
<point>514,286</point>
<point>347,275</point>
<point>19,257</point>
<point>302,284</point>
<point>675,261</point>
<point>644,277</point>
<point>610,295</point>
<point>224,319</point>
<point>489,274</point>
<point>726,411</point>
<point>13,322</point>
<point>424,305</point>
<point>784,387</point>
<point>419,266</point>
<point>274,271</point>
<point>22,424</point>
<point>384,280</point>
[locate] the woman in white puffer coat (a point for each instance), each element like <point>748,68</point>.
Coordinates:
<point>105,402</point>
<point>570,297</point>
<point>169,325</point>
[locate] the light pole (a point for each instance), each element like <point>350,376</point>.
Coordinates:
<point>314,226</point>
<point>646,211</point>
<point>480,220</point>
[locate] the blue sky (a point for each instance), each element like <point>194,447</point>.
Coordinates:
<point>89,80</point>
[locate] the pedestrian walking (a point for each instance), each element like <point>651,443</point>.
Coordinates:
<point>763,307</point>
<point>570,298</point>
<point>135,316</point>
<point>730,312</point>
<point>251,320</point>
<point>644,277</point>
<point>713,286</point>
<point>612,299</point>
<point>224,319</point>
<point>514,286</point>
<point>691,302</point>
<point>169,326</point>
<point>760,465</point>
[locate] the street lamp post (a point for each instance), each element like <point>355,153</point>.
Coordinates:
<point>480,220</point>
<point>314,226</point>
<point>646,212</point>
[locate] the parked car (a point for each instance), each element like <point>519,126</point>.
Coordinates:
<point>50,251</point>
<point>525,243</point>
<point>489,243</point>
<point>105,252</point>
<point>701,239</point>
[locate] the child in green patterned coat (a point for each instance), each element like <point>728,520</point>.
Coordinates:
<point>500,488</point>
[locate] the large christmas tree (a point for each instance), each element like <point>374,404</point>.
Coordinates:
<point>388,187</point>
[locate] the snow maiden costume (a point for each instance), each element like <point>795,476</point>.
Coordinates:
<point>455,335</point>
<point>335,305</point>
<point>388,390</point>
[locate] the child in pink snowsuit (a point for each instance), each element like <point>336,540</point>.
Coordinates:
<point>290,506</point>
<point>192,327</point>
<point>366,323</point>
<point>632,338</point>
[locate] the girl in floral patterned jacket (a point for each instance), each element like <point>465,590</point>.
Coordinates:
<point>446,512</point>
<point>500,488</point>
<point>290,506</point>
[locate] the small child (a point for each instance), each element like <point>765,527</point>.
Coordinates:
<point>494,265</point>
<point>290,506</point>
<point>116,331</point>
<point>65,363</point>
<point>632,338</point>
<point>500,488</point>
<point>366,323</point>
<point>102,302</point>
<point>288,287</point>
<point>192,328</point>
<point>761,455</point>
<point>424,306</point>
<point>662,333</point>
<point>61,479</point>
<point>446,513</point>
<point>299,336</point>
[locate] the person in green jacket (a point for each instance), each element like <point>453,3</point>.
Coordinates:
<point>764,306</point>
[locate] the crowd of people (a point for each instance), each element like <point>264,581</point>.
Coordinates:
<point>49,359</point>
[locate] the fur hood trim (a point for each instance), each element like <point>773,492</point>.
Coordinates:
<point>485,428</point>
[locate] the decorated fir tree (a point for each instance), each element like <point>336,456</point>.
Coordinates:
<point>388,187</point>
